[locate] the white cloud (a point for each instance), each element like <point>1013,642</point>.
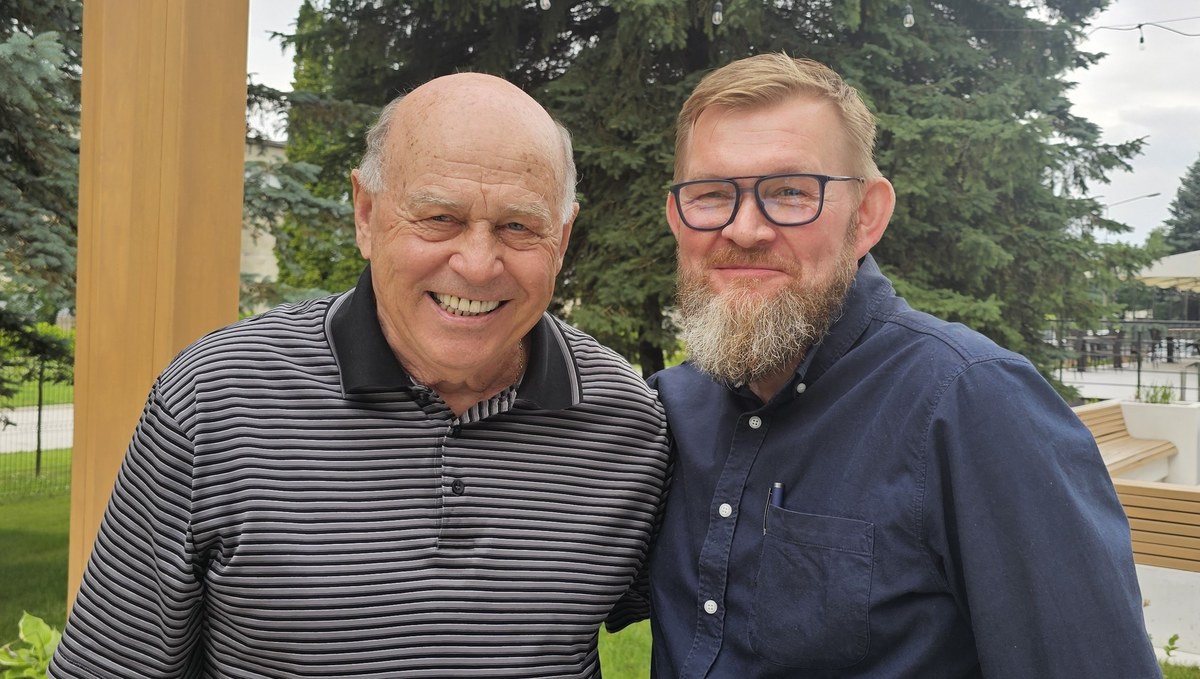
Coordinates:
<point>1150,90</point>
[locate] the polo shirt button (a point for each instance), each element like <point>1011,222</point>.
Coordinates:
<point>755,422</point>
<point>710,607</point>
<point>458,487</point>
<point>801,387</point>
<point>725,510</point>
<point>455,431</point>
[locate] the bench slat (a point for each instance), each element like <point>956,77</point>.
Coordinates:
<point>1164,519</point>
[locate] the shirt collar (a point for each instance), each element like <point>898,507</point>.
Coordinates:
<point>366,363</point>
<point>869,289</point>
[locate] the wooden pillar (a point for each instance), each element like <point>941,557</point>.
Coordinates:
<point>160,205</point>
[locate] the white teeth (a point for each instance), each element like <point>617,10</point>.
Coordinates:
<point>464,307</point>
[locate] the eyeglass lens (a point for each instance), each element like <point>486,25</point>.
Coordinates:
<point>786,199</point>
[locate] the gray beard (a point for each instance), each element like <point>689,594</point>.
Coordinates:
<point>741,336</point>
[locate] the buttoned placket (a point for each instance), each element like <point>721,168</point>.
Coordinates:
<point>714,556</point>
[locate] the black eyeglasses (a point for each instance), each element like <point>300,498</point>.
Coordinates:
<point>784,199</point>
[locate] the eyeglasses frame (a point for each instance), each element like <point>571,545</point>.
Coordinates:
<point>822,180</point>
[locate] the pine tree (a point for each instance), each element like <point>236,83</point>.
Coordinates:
<point>39,121</point>
<point>975,132</point>
<point>1183,226</point>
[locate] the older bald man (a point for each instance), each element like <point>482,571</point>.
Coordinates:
<point>424,476</point>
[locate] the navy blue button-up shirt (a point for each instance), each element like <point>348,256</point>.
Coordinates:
<point>943,513</point>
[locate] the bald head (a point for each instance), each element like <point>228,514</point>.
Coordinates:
<point>468,105</point>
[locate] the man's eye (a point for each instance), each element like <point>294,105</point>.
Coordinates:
<point>515,226</point>
<point>442,218</point>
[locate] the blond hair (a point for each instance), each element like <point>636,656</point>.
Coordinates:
<point>767,79</point>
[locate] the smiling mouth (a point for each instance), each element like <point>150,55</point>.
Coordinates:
<point>460,306</point>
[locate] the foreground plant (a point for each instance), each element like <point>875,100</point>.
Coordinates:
<point>30,655</point>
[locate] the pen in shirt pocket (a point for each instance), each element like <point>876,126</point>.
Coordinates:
<point>774,497</point>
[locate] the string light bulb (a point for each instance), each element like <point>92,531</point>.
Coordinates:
<point>909,20</point>
<point>718,13</point>
<point>545,4</point>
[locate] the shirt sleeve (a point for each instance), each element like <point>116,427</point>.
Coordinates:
<point>1031,536</point>
<point>137,613</point>
<point>634,605</point>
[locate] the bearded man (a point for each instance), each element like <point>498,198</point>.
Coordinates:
<point>861,490</point>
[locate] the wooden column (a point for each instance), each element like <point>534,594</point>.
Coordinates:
<point>160,205</point>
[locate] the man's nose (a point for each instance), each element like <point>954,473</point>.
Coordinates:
<point>750,226</point>
<point>478,255</point>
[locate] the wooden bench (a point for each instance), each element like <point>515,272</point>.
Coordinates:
<point>1165,522</point>
<point>1121,452</point>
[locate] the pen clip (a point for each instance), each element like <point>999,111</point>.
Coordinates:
<point>774,497</point>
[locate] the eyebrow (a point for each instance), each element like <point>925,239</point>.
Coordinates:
<point>532,210</point>
<point>424,198</point>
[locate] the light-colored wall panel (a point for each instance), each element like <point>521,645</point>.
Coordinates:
<point>160,203</point>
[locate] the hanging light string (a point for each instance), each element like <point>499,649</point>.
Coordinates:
<point>1156,24</point>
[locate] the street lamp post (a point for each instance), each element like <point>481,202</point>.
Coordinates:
<point>1130,200</point>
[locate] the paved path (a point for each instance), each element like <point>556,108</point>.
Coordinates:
<point>1105,382</point>
<point>58,428</point>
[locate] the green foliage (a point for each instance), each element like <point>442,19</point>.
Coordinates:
<point>314,236</point>
<point>1155,393</point>
<point>976,133</point>
<point>1171,646</point>
<point>39,116</point>
<point>1183,226</point>
<point>29,353</point>
<point>30,657</point>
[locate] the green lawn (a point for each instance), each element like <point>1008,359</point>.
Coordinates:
<point>626,654</point>
<point>53,393</point>
<point>19,477</point>
<point>34,532</point>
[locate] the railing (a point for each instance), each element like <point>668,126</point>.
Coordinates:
<point>36,429</point>
<point>1158,360</point>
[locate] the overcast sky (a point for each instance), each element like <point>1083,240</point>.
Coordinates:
<point>1149,90</point>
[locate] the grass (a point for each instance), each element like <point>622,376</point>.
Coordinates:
<point>34,532</point>
<point>17,478</point>
<point>626,654</point>
<point>53,393</point>
<point>1180,672</point>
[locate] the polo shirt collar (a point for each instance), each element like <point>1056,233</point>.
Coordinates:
<point>367,365</point>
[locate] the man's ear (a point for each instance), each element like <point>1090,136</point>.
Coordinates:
<point>874,213</point>
<point>673,215</point>
<point>566,235</point>
<point>364,202</point>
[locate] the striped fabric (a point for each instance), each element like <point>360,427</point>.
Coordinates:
<point>282,514</point>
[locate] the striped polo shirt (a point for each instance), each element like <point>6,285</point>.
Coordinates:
<point>293,505</point>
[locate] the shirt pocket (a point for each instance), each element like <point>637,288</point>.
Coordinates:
<point>812,591</point>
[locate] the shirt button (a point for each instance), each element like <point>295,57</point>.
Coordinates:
<point>710,607</point>
<point>801,387</point>
<point>755,422</point>
<point>458,487</point>
<point>725,510</point>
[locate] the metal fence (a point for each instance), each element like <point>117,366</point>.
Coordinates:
<point>36,430</point>
<point>1132,359</point>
